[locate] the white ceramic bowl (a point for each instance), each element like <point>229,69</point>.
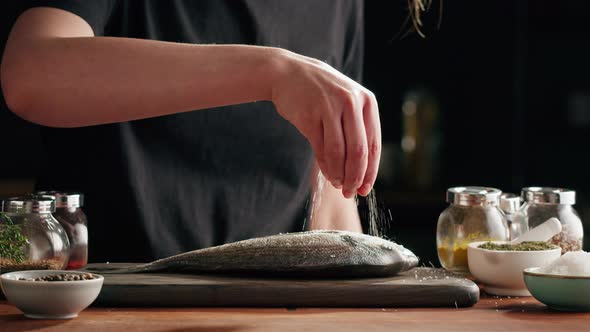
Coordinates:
<point>51,299</point>
<point>500,272</point>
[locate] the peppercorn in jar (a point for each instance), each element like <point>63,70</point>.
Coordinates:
<point>543,203</point>
<point>70,215</point>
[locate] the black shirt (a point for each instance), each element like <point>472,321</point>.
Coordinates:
<point>170,184</point>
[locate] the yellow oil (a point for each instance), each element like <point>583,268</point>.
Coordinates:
<point>454,259</point>
<point>453,254</point>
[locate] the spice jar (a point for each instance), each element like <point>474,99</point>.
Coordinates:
<point>542,203</point>
<point>68,212</point>
<point>30,237</point>
<point>473,215</point>
<point>510,204</point>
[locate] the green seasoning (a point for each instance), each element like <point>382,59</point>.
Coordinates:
<point>524,246</point>
<point>12,240</point>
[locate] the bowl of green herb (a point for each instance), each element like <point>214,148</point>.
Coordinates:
<point>498,265</point>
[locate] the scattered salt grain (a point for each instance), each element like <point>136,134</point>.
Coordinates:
<point>572,263</point>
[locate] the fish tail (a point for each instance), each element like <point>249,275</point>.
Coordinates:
<point>124,270</point>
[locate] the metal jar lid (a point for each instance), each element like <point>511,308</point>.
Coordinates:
<point>64,199</point>
<point>31,204</point>
<point>510,203</point>
<point>548,195</point>
<point>473,195</point>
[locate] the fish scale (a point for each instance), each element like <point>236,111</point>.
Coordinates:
<point>312,254</point>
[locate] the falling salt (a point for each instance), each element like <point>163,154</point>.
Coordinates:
<point>316,200</point>
<point>456,306</point>
<point>377,220</point>
<point>379,223</point>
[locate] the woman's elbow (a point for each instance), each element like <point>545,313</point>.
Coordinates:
<point>22,99</point>
<point>17,95</point>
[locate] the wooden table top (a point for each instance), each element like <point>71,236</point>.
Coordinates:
<point>490,314</point>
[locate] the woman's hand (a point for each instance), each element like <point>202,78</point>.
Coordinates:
<point>339,117</point>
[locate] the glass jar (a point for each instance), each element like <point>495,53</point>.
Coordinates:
<point>473,215</point>
<point>30,237</point>
<point>68,211</point>
<point>510,204</point>
<point>543,203</point>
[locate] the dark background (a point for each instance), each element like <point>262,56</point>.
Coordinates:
<point>506,84</point>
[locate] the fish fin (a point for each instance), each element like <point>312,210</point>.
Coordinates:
<point>348,239</point>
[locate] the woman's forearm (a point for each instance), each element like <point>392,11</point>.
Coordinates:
<point>78,81</point>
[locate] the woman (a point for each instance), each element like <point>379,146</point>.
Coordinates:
<point>187,123</point>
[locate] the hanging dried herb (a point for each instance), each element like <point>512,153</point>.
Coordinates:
<point>12,240</point>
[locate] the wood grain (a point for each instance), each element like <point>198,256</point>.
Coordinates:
<point>490,314</point>
<point>422,287</point>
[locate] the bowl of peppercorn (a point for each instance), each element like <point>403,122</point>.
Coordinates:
<point>51,294</point>
<point>498,265</point>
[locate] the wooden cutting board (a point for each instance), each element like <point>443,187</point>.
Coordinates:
<point>420,287</point>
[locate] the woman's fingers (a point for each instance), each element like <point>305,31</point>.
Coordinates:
<point>373,129</point>
<point>351,148</point>
<point>356,145</point>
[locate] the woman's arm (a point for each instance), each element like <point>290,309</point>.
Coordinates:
<point>56,73</point>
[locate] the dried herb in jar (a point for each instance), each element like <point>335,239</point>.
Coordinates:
<point>12,240</point>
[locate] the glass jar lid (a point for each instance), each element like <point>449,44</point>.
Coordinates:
<point>473,195</point>
<point>65,199</point>
<point>31,204</point>
<point>510,203</point>
<point>548,195</point>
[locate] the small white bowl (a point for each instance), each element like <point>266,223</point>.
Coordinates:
<point>51,299</point>
<point>501,271</point>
